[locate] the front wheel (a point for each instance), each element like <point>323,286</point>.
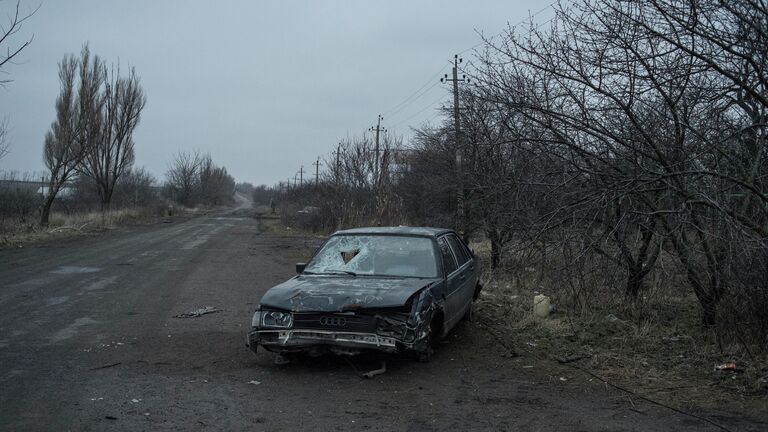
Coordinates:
<point>430,340</point>
<point>425,355</point>
<point>469,315</point>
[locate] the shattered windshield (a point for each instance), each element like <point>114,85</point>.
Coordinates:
<point>381,255</point>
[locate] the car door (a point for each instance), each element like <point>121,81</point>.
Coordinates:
<point>452,295</point>
<point>466,272</point>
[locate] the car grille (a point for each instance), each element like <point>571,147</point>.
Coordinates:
<point>341,322</point>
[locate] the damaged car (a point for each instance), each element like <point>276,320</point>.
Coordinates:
<point>390,289</point>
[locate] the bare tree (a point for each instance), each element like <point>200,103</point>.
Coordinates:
<point>216,186</point>
<point>63,150</point>
<point>182,176</point>
<point>16,20</point>
<point>112,154</point>
<point>11,50</point>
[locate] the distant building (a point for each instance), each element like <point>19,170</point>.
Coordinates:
<point>38,187</point>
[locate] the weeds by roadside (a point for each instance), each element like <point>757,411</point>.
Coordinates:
<point>660,351</point>
<point>63,225</point>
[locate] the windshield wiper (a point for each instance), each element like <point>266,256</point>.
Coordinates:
<point>351,273</point>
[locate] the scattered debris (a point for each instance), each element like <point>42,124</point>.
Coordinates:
<point>75,228</point>
<point>675,338</point>
<point>729,366</point>
<point>612,318</point>
<point>569,358</point>
<point>563,379</point>
<point>531,344</point>
<point>281,360</point>
<point>254,382</point>
<point>373,373</point>
<point>198,312</point>
<point>541,306</point>
<point>107,366</point>
<point>109,417</point>
<point>135,400</point>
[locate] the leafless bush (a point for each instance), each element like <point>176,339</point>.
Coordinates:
<point>358,188</point>
<point>193,178</point>
<point>19,200</point>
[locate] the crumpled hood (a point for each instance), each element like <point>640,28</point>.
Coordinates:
<point>315,293</point>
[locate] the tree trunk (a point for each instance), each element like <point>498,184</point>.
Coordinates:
<point>495,249</point>
<point>45,212</point>
<point>634,282</point>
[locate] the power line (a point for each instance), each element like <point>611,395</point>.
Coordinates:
<point>419,112</point>
<point>417,95</point>
<point>408,99</point>
<point>426,87</point>
<point>395,112</point>
<point>523,21</point>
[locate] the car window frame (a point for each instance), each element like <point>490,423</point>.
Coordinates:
<point>442,258</point>
<point>464,252</point>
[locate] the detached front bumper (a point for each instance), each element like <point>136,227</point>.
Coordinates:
<point>301,340</point>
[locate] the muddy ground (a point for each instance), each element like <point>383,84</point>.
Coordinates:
<point>88,341</point>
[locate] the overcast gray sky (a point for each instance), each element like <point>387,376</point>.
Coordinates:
<point>264,87</point>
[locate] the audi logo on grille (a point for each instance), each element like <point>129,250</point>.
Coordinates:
<point>333,321</point>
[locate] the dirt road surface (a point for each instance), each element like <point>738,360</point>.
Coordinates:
<point>88,341</point>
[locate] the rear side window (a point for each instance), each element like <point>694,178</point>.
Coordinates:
<point>449,262</point>
<point>459,250</point>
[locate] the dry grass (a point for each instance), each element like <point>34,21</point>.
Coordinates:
<point>656,347</point>
<point>63,225</point>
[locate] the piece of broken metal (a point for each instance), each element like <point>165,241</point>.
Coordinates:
<point>107,366</point>
<point>199,312</point>
<point>569,358</point>
<point>373,373</point>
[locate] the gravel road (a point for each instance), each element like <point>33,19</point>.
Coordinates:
<point>88,341</point>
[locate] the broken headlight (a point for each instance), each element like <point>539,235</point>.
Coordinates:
<point>256,320</point>
<point>277,319</point>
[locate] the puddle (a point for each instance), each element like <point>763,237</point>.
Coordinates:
<point>72,329</point>
<point>75,270</point>
<point>100,283</point>
<point>52,301</point>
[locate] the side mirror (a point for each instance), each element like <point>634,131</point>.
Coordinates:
<point>300,267</point>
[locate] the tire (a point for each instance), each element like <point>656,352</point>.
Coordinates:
<point>469,315</point>
<point>430,342</point>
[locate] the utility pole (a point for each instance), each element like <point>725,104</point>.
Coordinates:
<point>461,213</point>
<point>337,153</point>
<point>301,176</point>
<point>317,171</point>
<point>376,130</point>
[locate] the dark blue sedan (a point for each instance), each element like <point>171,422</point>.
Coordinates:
<point>391,289</point>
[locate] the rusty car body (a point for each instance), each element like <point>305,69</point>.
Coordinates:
<point>391,289</point>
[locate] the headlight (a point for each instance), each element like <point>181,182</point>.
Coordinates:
<point>277,319</point>
<point>256,320</point>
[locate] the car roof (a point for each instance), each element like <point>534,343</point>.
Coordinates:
<point>398,230</point>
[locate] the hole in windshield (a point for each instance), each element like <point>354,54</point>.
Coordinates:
<point>375,255</point>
